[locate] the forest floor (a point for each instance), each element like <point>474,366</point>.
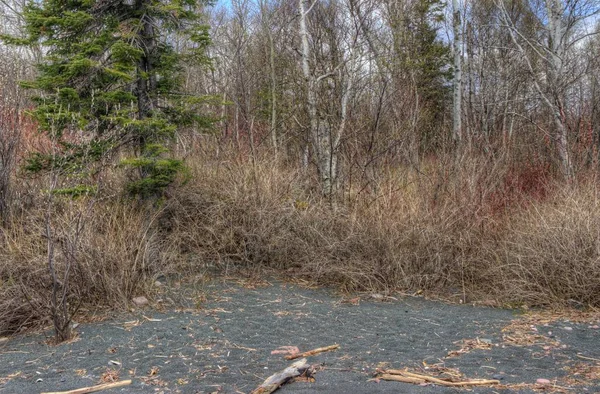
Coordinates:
<point>218,337</point>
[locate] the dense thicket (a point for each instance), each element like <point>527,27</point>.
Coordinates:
<point>368,144</point>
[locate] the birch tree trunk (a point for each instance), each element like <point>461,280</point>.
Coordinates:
<point>325,155</point>
<point>556,45</point>
<point>551,86</point>
<point>266,20</point>
<point>457,94</point>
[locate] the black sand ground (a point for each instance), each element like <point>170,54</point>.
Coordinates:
<point>225,345</point>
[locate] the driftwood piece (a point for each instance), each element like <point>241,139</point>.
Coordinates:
<point>275,381</point>
<point>400,378</point>
<point>93,389</point>
<point>411,377</point>
<point>312,352</point>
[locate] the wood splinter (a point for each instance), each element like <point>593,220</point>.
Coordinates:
<point>415,378</point>
<point>93,389</point>
<point>312,352</point>
<point>275,381</point>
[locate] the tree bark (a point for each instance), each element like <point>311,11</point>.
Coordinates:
<point>457,85</point>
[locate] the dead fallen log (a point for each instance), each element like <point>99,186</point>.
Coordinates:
<point>275,381</point>
<point>398,375</point>
<point>312,352</point>
<point>93,389</point>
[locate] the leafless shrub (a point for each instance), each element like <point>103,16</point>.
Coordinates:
<point>266,220</point>
<point>118,253</point>
<point>550,253</point>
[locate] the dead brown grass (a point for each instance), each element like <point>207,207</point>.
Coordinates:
<point>437,232</point>
<point>550,252</point>
<point>473,229</point>
<point>262,217</point>
<point>116,256</point>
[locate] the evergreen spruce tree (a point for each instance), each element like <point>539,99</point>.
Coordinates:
<point>423,56</point>
<point>113,76</point>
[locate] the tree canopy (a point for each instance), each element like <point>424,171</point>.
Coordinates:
<point>111,78</point>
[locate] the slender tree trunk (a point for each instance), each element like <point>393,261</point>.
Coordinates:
<point>146,81</point>
<point>273,94</point>
<point>557,29</point>
<point>550,88</point>
<point>325,155</point>
<point>457,95</point>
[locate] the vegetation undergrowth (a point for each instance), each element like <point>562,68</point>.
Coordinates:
<point>411,234</point>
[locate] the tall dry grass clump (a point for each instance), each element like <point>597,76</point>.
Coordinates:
<point>550,252</point>
<point>263,215</point>
<point>484,231</point>
<point>113,257</point>
<point>479,230</point>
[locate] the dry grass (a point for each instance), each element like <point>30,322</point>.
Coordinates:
<point>437,232</point>
<point>262,217</point>
<point>478,230</point>
<point>550,252</point>
<point>115,258</point>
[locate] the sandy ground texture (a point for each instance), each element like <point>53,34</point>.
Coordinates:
<point>222,342</point>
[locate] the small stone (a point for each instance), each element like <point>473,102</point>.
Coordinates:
<point>486,340</point>
<point>158,283</point>
<point>140,301</point>
<point>498,377</point>
<point>568,328</point>
<point>542,381</point>
<point>595,327</point>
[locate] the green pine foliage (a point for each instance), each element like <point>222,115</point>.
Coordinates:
<point>112,79</point>
<point>424,59</point>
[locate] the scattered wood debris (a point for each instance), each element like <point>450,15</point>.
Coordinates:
<point>273,382</point>
<point>4,380</point>
<point>382,297</point>
<point>351,301</point>
<point>290,350</point>
<point>128,325</point>
<point>582,373</point>
<point>466,345</point>
<point>403,375</point>
<point>523,332</point>
<point>93,389</point>
<point>536,387</point>
<point>312,352</point>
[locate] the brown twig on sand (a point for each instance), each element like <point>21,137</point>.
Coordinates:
<point>312,352</point>
<point>275,381</point>
<point>93,389</point>
<point>411,377</point>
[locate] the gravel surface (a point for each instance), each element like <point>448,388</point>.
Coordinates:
<point>223,344</point>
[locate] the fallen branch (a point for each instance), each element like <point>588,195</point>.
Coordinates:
<point>275,381</point>
<point>312,352</point>
<point>399,378</point>
<point>587,358</point>
<point>93,389</point>
<point>411,377</point>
